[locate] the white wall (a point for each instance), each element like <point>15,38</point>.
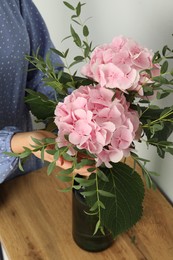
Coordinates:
<point>149,22</point>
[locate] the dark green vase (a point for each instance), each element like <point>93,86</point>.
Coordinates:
<point>83,226</point>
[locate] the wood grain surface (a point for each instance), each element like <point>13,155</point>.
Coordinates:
<point>35,224</point>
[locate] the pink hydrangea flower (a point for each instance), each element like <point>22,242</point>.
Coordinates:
<point>118,65</point>
<point>94,121</point>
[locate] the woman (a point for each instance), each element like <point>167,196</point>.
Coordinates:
<point>22,31</point>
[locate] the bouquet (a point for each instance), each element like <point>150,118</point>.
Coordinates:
<point>100,115</point>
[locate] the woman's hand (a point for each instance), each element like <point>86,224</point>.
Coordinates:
<point>20,140</point>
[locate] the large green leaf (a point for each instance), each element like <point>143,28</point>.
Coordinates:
<point>40,105</point>
<point>125,208</point>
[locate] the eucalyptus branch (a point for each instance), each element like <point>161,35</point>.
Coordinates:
<point>83,45</point>
<point>147,174</point>
<point>98,224</point>
<point>143,112</point>
<point>164,144</point>
<point>162,118</point>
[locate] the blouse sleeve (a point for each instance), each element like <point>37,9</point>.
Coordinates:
<point>8,164</point>
<point>39,38</point>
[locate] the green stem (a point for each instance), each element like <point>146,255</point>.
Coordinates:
<point>162,118</point>
<point>98,198</point>
<point>157,144</point>
<point>145,172</point>
<point>86,38</point>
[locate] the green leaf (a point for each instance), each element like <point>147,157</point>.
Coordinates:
<point>12,154</point>
<point>56,155</point>
<point>93,169</point>
<point>67,171</point>
<point>94,207</point>
<point>165,111</point>
<point>84,182</point>
<point>102,176</point>
<point>88,193</point>
<point>56,85</point>
<point>85,31</point>
<point>20,166</point>
<point>68,157</point>
<point>64,178</point>
<point>75,36</point>
<point>161,80</point>
<point>166,143</point>
<point>36,141</point>
<point>49,140</point>
<point>140,159</point>
<point>156,127</point>
<point>148,180</point>
<point>66,189</point>
<point>42,154</point>
<point>161,151</point>
<point>91,213</point>
<point>169,57</point>
<point>51,167</point>
<point>100,203</point>
<point>154,173</point>
<point>77,187</point>
<point>85,162</point>
<point>87,49</point>
<point>156,57</point>
<point>97,227</point>
<point>40,105</point>
<point>63,149</point>
<point>59,53</point>
<point>67,37</point>
<point>79,58</point>
<point>69,5</point>
<point>169,150</point>
<point>26,153</point>
<point>78,9</point>
<point>164,50</point>
<point>162,95</point>
<point>106,193</point>
<point>164,67</point>
<point>148,90</point>
<point>66,53</point>
<point>52,152</point>
<point>74,20</point>
<point>125,208</point>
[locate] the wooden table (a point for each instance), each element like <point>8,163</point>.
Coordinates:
<point>35,224</point>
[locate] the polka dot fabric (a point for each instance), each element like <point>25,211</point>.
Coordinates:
<point>22,31</point>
